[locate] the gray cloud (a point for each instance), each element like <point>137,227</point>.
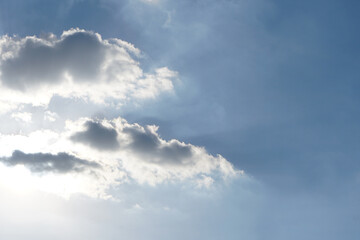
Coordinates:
<point>40,61</point>
<point>152,148</point>
<point>78,64</point>
<point>47,162</point>
<point>141,141</point>
<point>120,150</point>
<point>97,136</point>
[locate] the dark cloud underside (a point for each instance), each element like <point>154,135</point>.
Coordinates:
<point>46,162</point>
<point>38,62</point>
<point>148,145</point>
<point>97,136</point>
<point>142,142</point>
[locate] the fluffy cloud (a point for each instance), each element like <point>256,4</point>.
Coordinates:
<point>77,64</point>
<point>47,161</point>
<point>97,136</point>
<point>147,157</point>
<point>90,156</point>
<point>118,152</point>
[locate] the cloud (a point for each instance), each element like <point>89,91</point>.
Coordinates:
<point>150,1</point>
<point>39,61</point>
<point>22,116</point>
<point>117,152</point>
<point>146,156</point>
<point>50,116</point>
<point>97,136</point>
<point>145,142</point>
<point>77,64</point>
<point>141,141</point>
<point>47,162</point>
<point>81,64</point>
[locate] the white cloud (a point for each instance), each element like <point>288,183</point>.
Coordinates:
<point>140,155</point>
<point>5,106</point>
<point>205,181</point>
<point>146,156</point>
<point>22,116</point>
<point>78,64</point>
<point>90,156</point>
<point>50,116</point>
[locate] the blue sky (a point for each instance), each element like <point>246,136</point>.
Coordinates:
<point>271,86</point>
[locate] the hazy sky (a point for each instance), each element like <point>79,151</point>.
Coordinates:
<point>163,119</point>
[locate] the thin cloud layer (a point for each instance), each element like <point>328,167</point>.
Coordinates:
<point>77,64</point>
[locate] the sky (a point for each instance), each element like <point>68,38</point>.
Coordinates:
<point>163,119</point>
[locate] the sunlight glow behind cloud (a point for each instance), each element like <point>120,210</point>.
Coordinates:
<point>78,155</point>
<point>88,155</point>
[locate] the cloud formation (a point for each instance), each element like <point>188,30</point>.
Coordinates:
<point>38,61</point>
<point>141,141</point>
<point>78,64</point>
<point>97,136</point>
<point>81,64</point>
<point>118,152</point>
<point>146,143</point>
<point>145,155</point>
<point>47,162</point>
